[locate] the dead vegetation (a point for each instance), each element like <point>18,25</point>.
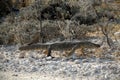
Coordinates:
<point>51,20</point>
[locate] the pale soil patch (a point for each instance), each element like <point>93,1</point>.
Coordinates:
<point>33,76</point>
<point>24,76</point>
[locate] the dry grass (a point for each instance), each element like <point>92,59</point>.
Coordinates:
<point>22,28</point>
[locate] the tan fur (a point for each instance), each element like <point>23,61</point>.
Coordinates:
<point>80,49</point>
<point>69,47</point>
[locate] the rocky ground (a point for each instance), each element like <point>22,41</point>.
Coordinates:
<point>35,66</point>
<point>23,26</point>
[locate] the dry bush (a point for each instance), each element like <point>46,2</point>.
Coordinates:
<point>26,26</point>
<point>23,26</point>
<point>7,33</point>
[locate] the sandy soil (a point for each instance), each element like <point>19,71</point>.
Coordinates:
<point>34,76</point>
<point>37,76</point>
<point>36,67</point>
<point>26,76</point>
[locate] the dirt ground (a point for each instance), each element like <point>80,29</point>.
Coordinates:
<point>31,76</point>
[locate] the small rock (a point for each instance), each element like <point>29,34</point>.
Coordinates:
<point>22,55</point>
<point>48,58</point>
<point>2,56</point>
<point>85,60</point>
<point>56,59</point>
<point>31,59</point>
<point>6,60</point>
<point>77,61</point>
<point>15,75</point>
<point>34,69</point>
